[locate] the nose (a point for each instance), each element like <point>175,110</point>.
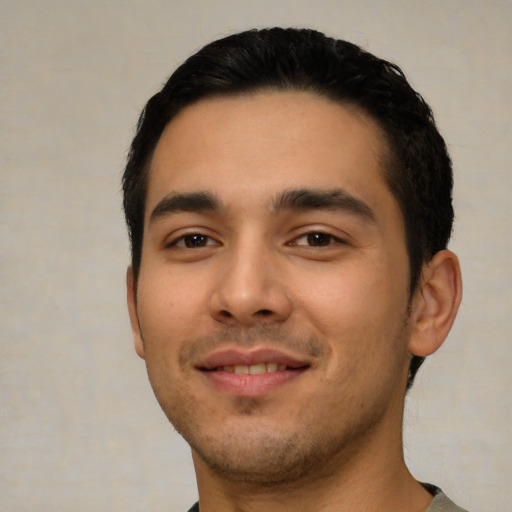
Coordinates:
<point>250,289</point>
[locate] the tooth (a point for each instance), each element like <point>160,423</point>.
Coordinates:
<point>257,369</point>
<point>254,369</point>
<point>271,367</point>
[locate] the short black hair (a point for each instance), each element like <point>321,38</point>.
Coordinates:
<point>417,165</point>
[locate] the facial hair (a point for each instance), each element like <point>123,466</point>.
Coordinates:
<point>259,454</point>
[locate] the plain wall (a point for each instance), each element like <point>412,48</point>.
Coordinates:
<point>79,427</point>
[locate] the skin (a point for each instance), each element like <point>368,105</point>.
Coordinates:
<point>328,287</point>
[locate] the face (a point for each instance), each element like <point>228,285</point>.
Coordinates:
<point>271,305</point>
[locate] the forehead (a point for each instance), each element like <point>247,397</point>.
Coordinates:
<point>254,146</point>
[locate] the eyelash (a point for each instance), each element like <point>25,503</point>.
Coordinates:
<point>181,241</point>
<point>321,236</point>
<point>200,240</point>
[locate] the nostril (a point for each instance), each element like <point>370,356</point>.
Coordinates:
<point>264,312</point>
<point>226,314</point>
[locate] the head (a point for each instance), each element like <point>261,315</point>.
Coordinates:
<point>416,163</point>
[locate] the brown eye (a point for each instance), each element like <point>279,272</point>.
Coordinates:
<point>193,241</point>
<point>316,239</point>
<point>319,239</point>
<point>196,240</point>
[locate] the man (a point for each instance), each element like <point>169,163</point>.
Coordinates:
<point>288,199</point>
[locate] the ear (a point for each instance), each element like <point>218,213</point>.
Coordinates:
<point>435,303</point>
<point>131,296</point>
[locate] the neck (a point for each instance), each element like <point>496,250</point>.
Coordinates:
<point>373,478</point>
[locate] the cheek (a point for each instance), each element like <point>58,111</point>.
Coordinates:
<point>167,301</point>
<point>346,294</point>
<point>359,310</point>
<point>169,310</point>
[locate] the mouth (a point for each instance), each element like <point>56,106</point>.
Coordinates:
<point>253,369</point>
<point>251,374</point>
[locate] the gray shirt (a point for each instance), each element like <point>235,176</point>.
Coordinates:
<point>440,503</point>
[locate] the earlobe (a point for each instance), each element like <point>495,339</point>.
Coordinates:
<point>435,303</point>
<point>131,296</point>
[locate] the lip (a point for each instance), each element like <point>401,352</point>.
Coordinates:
<point>235,356</point>
<point>244,385</point>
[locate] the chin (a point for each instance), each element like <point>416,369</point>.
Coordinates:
<point>261,459</point>
<point>264,457</point>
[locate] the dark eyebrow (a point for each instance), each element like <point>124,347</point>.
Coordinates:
<point>312,199</point>
<point>192,202</point>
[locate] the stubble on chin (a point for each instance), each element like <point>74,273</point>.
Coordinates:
<point>269,461</point>
<point>262,461</point>
<point>269,454</point>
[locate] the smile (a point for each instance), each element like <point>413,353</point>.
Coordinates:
<point>254,369</point>
<point>253,373</point>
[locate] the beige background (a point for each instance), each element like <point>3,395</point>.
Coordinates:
<point>79,427</point>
